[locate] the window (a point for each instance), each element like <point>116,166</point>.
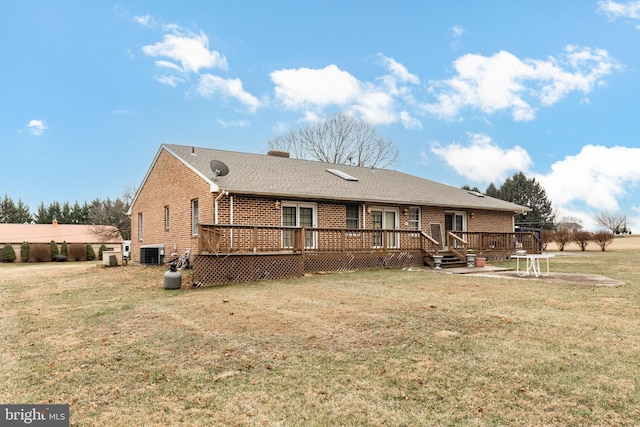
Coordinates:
<point>414,218</point>
<point>139,225</point>
<point>166,217</point>
<point>194,217</point>
<point>353,216</point>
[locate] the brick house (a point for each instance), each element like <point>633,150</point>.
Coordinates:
<point>181,191</point>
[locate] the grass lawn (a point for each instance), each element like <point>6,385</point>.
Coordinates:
<point>379,348</point>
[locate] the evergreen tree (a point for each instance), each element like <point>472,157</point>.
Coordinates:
<point>8,254</point>
<point>24,251</point>
<point>91,254</point>
<point>10,213</point>
<point>492,191</point>
<point>527,192</point>
<point>54,249</point>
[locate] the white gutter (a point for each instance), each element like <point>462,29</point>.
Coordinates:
<point>215,204</point>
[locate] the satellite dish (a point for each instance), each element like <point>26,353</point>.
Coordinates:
<point>218,168</point>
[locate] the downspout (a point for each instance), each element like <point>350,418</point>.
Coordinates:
<point>215,204</point>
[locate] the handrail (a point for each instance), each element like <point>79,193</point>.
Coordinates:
<point>459,246</point>
<point>431,246</point>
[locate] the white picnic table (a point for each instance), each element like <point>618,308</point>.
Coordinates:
<point>533,264</point>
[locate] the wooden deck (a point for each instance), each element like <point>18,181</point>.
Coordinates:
<point>240,253</point>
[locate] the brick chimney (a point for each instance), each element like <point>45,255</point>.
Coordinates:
<point>276,153</point>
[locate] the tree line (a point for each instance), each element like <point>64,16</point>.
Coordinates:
<point>98,212</point>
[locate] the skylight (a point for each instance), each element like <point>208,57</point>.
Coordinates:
<point>475,193</point>
<point>342,175</point>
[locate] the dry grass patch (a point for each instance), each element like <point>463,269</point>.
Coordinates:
<point>365,348</point>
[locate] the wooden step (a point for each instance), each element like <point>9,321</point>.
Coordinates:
<point>449,260</point>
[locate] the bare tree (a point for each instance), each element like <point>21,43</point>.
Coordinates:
<point>616,222</point>
<point>582,238</point>
<point>340,139</point>
<point>603,239</point>
<point>562,238</point>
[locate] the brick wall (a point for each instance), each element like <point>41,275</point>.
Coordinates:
<point>170,183</point>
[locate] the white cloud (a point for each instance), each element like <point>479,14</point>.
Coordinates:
<point>168,80</point>
<point>481,160</point>
<point>456,33</point>
<point>315,88</point>
<point>211,85</point>
<point>614,9</point>
<point>188,51</point>
<point>598,176</point>
<point>145,20</point>
<point>505,83</point>
<point>379,102</point>
<point>233,123</point>
<point>398,71</point>
<point>36,127</point>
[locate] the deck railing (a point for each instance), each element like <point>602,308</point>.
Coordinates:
<point>224,238</point>
<point>501,242</point>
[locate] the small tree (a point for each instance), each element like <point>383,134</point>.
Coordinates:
<point>8,254</point>
<point>77,252</point>
<point>561,238</point>
<point>91,254</point>
<point>582,238</point>
<point>547,237</point>
<point>40,252</point>
<point>24,251</point>
<point>103,248</point>
<point>603,239</point>
<point>54,249</point>
<point>64,250</point>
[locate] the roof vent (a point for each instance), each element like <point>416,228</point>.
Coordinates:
<point>276,153</point>
<point>342,175</point>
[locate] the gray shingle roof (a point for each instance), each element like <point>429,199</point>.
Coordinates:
<point>261,174</point>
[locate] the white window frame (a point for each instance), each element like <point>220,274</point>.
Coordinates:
<point>194,217</point>
<point>418,221</point>
<point>140,225</point>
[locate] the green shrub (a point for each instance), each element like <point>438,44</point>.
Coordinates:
<point>8,254</point>
<point>103,248</point>
<point>60,258</point>
<point>91,254</point>
<point>63,249</point>
<point>54,249</point>
<point>24,252</point>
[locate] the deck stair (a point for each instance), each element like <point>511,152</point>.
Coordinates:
<point>449,260</point>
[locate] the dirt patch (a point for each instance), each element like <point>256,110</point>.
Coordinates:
<point>573,278</point>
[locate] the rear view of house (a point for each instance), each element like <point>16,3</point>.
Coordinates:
<point>212,201</point>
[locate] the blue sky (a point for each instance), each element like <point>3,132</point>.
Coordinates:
<point>471,92</point>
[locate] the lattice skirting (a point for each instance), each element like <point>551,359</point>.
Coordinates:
<point>222,269</point>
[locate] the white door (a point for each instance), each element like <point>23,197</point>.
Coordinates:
<point>298,215</point>
<point>384,219</point>
<point>455,222</point>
